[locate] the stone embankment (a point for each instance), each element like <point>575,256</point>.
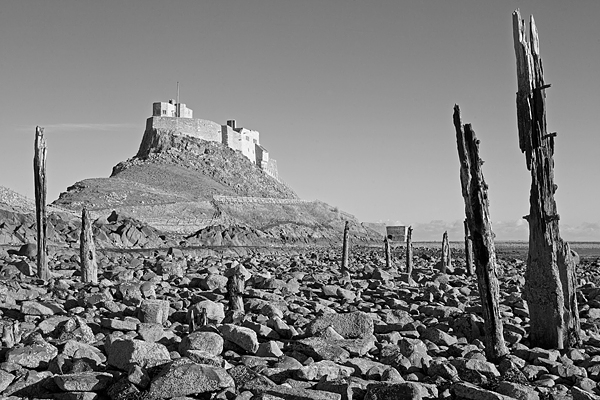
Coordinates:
<point>161,327</point>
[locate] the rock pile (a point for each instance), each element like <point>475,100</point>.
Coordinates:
<point>306,334</point>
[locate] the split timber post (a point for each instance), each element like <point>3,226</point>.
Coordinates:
<point>409,253</point>
<point>468,249</point>
<point>446,256</point>
<point>388,253</point>
<point>550,275</point>
<point>474,191</point>
<point>87,250</point>
<point>345,249</point>
<point>39,176</point>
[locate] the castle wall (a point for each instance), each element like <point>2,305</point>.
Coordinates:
<point>200,128</point>
<point>250,138</point>
<point>241,139</point>
<point>231,138</point>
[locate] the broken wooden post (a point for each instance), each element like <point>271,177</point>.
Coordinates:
<point>550,275</point>
<point>388,253</point>
<point>87,250</point>
<point>345,251</point>
<point>39,176</point>
<point>474,191</point>
<point>468,249</point>
<point>446,256</point>
<point>235,290</point>
<point>409,252</point>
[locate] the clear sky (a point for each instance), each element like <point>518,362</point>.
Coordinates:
<point>353,98</point>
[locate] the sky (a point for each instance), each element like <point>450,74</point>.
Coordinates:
<point>353,99</point>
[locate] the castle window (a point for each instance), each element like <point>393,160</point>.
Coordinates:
<point>247,138</point>
<point>254,141</point>
<point>164,112</point>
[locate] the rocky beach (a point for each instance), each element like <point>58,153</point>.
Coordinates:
<point>160,326</point>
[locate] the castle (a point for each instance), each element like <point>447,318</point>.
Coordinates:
<point>176,116</point>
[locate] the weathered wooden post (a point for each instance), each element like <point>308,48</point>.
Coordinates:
<point>550,275</point>
<point>87,250</point>
<point>39,176</point>
<point>388,253</point>
<point>468,249</point>
<point>446,256</point>
<point>474,191</point>
<point>235,290</point>
<point>409,252</point>
<point>345,250</point>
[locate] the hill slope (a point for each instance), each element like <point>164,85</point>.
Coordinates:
<point>183,184</point>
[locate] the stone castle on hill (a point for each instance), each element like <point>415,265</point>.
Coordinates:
<point>176,116</point>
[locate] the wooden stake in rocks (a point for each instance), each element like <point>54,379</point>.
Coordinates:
<point>345,250</point>
<point>446,256</point>
<point>474,191</point>
<point>235,290</point>
<point>87,250</point>
<point>39,176</point>
<point>468,249</point>
<point>388,253</point>
<point>550,275</point>
<point>409,252</point>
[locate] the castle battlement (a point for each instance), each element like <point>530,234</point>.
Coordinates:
<point>246,141</point>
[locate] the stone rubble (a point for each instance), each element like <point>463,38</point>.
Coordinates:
<point>307,333</point>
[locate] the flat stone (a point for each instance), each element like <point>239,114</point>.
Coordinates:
<point>385,391</point>
<point>471,392</point>
<point>320,369</point>
<point>118,324</point>
<point>321,349</point>
<point>349,325</point>
<point>215,312</point>
<point>243,337</point>
<point>517,390</point>
<point>122,353</point>
<point>35,355</point>
<point>438,337</point>
<point>154,311</point>
<point>284,392</point>
<point>83,382</point>
<point>209,342</point>
<point>6,379</point>
<point>183,378</point>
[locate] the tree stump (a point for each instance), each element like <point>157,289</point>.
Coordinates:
<point>87,250</point>
<point>39,176</point>
<point>474,191</point>
<point>550,276</point>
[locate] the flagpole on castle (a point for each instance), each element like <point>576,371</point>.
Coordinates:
<point>177,110</point>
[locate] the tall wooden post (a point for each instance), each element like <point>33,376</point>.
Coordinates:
<point>468,249</point>
<point>388,253</point>
<point>409,252</point>
<point>345,250</point>
<point>446,256</point>
<point>87,250</point>
<point>39,176</point>
<point>550,275</point>
<point>474,191</point>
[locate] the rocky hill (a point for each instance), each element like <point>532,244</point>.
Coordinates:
<point>208,192</point>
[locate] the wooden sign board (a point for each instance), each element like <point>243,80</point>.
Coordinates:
<point>396,233</point>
